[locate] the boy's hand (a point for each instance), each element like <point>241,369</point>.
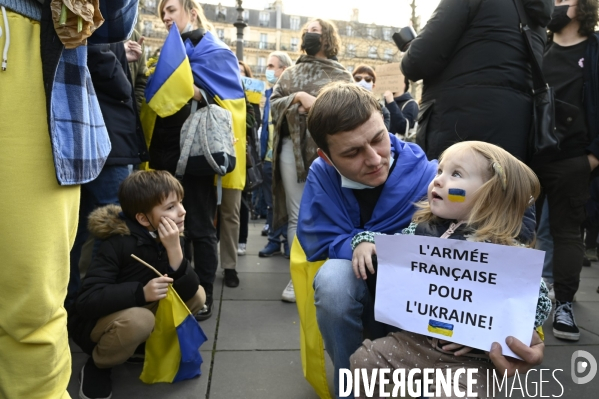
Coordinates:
<point>459,348</point>
<point>362,259</point>
<point>156,288</point>
<point>168,233</point>
<point>169,236</point>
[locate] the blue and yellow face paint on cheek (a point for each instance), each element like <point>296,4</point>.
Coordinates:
<point>457,195</point>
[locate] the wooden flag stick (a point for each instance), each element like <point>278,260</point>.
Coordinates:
<point>146,264</point>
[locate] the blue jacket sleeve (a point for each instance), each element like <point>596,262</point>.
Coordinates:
<point>119,20</point>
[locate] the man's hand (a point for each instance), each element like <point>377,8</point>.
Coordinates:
<point>593,161</point>
<point>156,288</point>
<point>362,259</point>
<point>532,356</point>
<point>388,97</point>
<point>133,49</point>
<point>458,348</point>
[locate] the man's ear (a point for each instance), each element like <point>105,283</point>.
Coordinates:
<point>324,156</point>
<point>142,219</point>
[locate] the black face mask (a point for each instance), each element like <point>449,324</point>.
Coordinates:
<point>559,19</point>
<point>311,43</point>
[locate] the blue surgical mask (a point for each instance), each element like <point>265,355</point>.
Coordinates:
<point>365,84</point>
<point>354,185</point>
<point>270,76</point>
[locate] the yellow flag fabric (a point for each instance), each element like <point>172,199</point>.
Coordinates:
<point>147,117</point>
<point>172,351</point>
<point>236,179</point>
<point>311,343</point>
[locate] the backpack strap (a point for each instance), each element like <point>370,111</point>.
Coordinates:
<point>407,102</point>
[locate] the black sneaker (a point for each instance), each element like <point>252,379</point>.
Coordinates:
<point>95,383</point>
<point>231,279</point>
<point>264,232</point>
<point>564,325</point>
<point>586,262</point>
<point>206,311</point>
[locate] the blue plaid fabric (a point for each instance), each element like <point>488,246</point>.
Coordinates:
<point>80,141</point>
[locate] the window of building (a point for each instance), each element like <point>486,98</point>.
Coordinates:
<point>351,50</point>
<point>264,18</point>
<point>349,31</point>
<point>261,65</point>
<point>372,53</point>
<point>263,41</point>
<point>294,44</point>
<point>386,33</point>
<point>388,54</point>
<point>246,15</point>
<point>370,32</point>
<point>221,34</point>
<point>294,23</point>
<point>350,69</point>
<point>147,28</point>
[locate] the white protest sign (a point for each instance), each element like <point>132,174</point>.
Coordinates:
<point>465,292</point>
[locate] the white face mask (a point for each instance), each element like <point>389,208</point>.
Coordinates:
<point>354,185</point>
<point>365,84</point>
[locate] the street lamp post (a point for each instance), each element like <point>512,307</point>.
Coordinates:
<point>239,24</point>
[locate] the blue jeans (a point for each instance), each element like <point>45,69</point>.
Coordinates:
<point>545,242</point>
<point>344,310</point>
<point>273,235</point>
<point>102,191</point>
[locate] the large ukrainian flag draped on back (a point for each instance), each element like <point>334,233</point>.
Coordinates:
<point>173,349</point>
<point>216,70</point>
<point>170,87</point>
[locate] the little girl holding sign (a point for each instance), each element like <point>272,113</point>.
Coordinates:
<point>480,194</point>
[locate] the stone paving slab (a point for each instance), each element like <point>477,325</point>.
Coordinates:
<point>126,382</point>
<point>258,286</point>
<point>258,325</point>
<point>253,263</point>
<point>260,375</point>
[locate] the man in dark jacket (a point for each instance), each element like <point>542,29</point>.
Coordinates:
<point>477,75</point>
<point>108,66</point>
<point>570,66</point>
<point>403,110</point>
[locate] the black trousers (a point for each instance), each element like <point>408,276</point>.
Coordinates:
<point>244,218</point>
<point>200,203</point>
<point>565,183</point>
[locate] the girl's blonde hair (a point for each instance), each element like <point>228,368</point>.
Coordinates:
<point>499,204</point>
<point>187,6</point>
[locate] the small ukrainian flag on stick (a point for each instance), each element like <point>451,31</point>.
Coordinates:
<point>439,327</point>
<point>457,195</point>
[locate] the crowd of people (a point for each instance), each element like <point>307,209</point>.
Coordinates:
<point>92,181</point>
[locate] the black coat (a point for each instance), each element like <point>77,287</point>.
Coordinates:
<point>109,70</point>
<point>115,280</point>
<point>402,120</point>
<point>477,75</point>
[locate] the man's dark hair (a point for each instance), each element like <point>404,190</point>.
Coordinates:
<point>406,83</point>
<point>143,190</point>
<point>586,14</point>
<point>340,107</point>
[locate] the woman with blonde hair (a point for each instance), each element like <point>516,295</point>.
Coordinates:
<point>293,96</point>
<point>480,193</point>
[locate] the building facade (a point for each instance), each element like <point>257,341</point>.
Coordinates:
<point>271,29</point>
